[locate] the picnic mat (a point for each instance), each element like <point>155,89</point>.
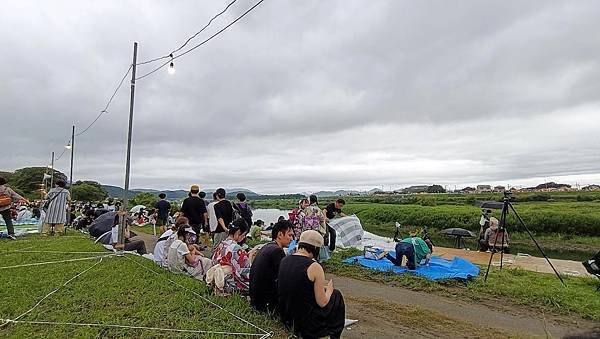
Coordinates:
<point>439,268</point>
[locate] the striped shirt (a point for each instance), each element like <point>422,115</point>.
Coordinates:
<point>57,210</point>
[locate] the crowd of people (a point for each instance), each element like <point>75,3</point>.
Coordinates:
<point>208,242</point>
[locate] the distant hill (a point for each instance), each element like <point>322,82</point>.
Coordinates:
<point>117,192</point>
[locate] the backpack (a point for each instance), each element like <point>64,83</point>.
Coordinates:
<point>242,212</point>
<point>236,212</point>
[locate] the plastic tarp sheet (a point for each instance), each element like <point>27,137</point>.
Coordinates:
<point>438,268</point>
<point>348,229</point>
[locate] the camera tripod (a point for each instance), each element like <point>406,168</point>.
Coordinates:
<point>506,204</point>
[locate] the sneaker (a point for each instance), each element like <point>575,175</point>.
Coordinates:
<point>11,237</point>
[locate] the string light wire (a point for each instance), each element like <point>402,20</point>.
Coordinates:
<point>170,55</point>
<point>201,43</point>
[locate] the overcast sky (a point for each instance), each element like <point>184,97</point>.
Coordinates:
<point>308,95</point>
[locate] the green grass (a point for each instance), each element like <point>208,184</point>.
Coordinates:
<point>116,291</point>
<point>516,286</point>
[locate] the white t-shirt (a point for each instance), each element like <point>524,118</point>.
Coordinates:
<point>212,216</point>
<point>159,249</point>
<point>176,256</point>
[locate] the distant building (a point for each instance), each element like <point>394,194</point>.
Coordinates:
<point>484,188</point>
<point>499,189</point>
<point>468,190</point>
<point>592,187</point>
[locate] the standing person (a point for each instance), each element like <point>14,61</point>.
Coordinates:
<point>224,215</point>
<point>212,216</point>
<point>243,208</point>
<point>331,211</point>
<point>265,268</point>
<point>57,201</point>
<point>163,207</point>
<point>7,197</point>
<point>202,196</point>
<point>308,305</point>
<point>314,219</point>
<point>296,217</point>
<point>194,209</point>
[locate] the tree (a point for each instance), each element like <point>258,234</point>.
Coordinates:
<point>145,198</point>
<point>88,191</point>
<point>435,189</point>
<point>28,179</point>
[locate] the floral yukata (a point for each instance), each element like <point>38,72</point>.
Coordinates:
<point>230,253</point>
<point>313,219</point>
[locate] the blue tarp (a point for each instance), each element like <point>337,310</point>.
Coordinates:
<point>438,268</point>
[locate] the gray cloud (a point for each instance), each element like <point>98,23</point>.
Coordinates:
<point>307,95</point>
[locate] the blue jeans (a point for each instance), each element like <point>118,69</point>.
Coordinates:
<point>404,249</point>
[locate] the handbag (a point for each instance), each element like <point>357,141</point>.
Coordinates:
<point>5,200</point>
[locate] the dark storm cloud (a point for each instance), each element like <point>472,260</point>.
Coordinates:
<point>308,95</point>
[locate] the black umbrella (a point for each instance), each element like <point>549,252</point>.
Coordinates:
<point>458,232</point>
<point>102,224</point>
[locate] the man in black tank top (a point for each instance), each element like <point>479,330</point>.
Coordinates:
<point>308,313</point>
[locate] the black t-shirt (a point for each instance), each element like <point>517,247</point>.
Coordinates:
<point>331,211</point>
<point>193,208</point>
<point>223,210</point>
<point>263,277</point>
<point>163,208</point>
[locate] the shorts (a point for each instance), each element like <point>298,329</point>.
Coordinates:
<point>161,222</point>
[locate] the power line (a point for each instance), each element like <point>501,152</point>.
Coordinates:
<point>170,55</point>
<point>200,44</point>
<point>105,110</point>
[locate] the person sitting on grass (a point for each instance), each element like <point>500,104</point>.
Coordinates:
<point>231,264</point>
<point>494,239</point>
<point>180,259</point>
<point>135,245</point>
<point>309,305</point>
<point>414,249</point>
<point>265,268</point>
<point>165,240</point>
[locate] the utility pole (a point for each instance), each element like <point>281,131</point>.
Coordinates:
<point>72,150</point>
<point>52,172</point>
<point>123,216</point>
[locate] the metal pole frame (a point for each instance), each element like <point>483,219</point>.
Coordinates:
<point>120,246</point>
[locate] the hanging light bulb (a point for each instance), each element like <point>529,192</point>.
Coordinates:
<point>68,146</point>
<point>171,68</point>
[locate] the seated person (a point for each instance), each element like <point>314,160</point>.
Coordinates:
<point>307,304</point>
<point>135,245</point>
<point>495,239</point>
<point>414,248</point>
<point>165,240</point>
<point>231,264</point>
<point>181,260</point>
<point>265,268</point>
<point>100,210</point>
<point>85,220</point>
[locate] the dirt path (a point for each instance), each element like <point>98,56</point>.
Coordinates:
<point>392,312</point>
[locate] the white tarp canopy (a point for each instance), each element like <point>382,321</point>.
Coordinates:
<point>137,208</point>
<point>348,229</point>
